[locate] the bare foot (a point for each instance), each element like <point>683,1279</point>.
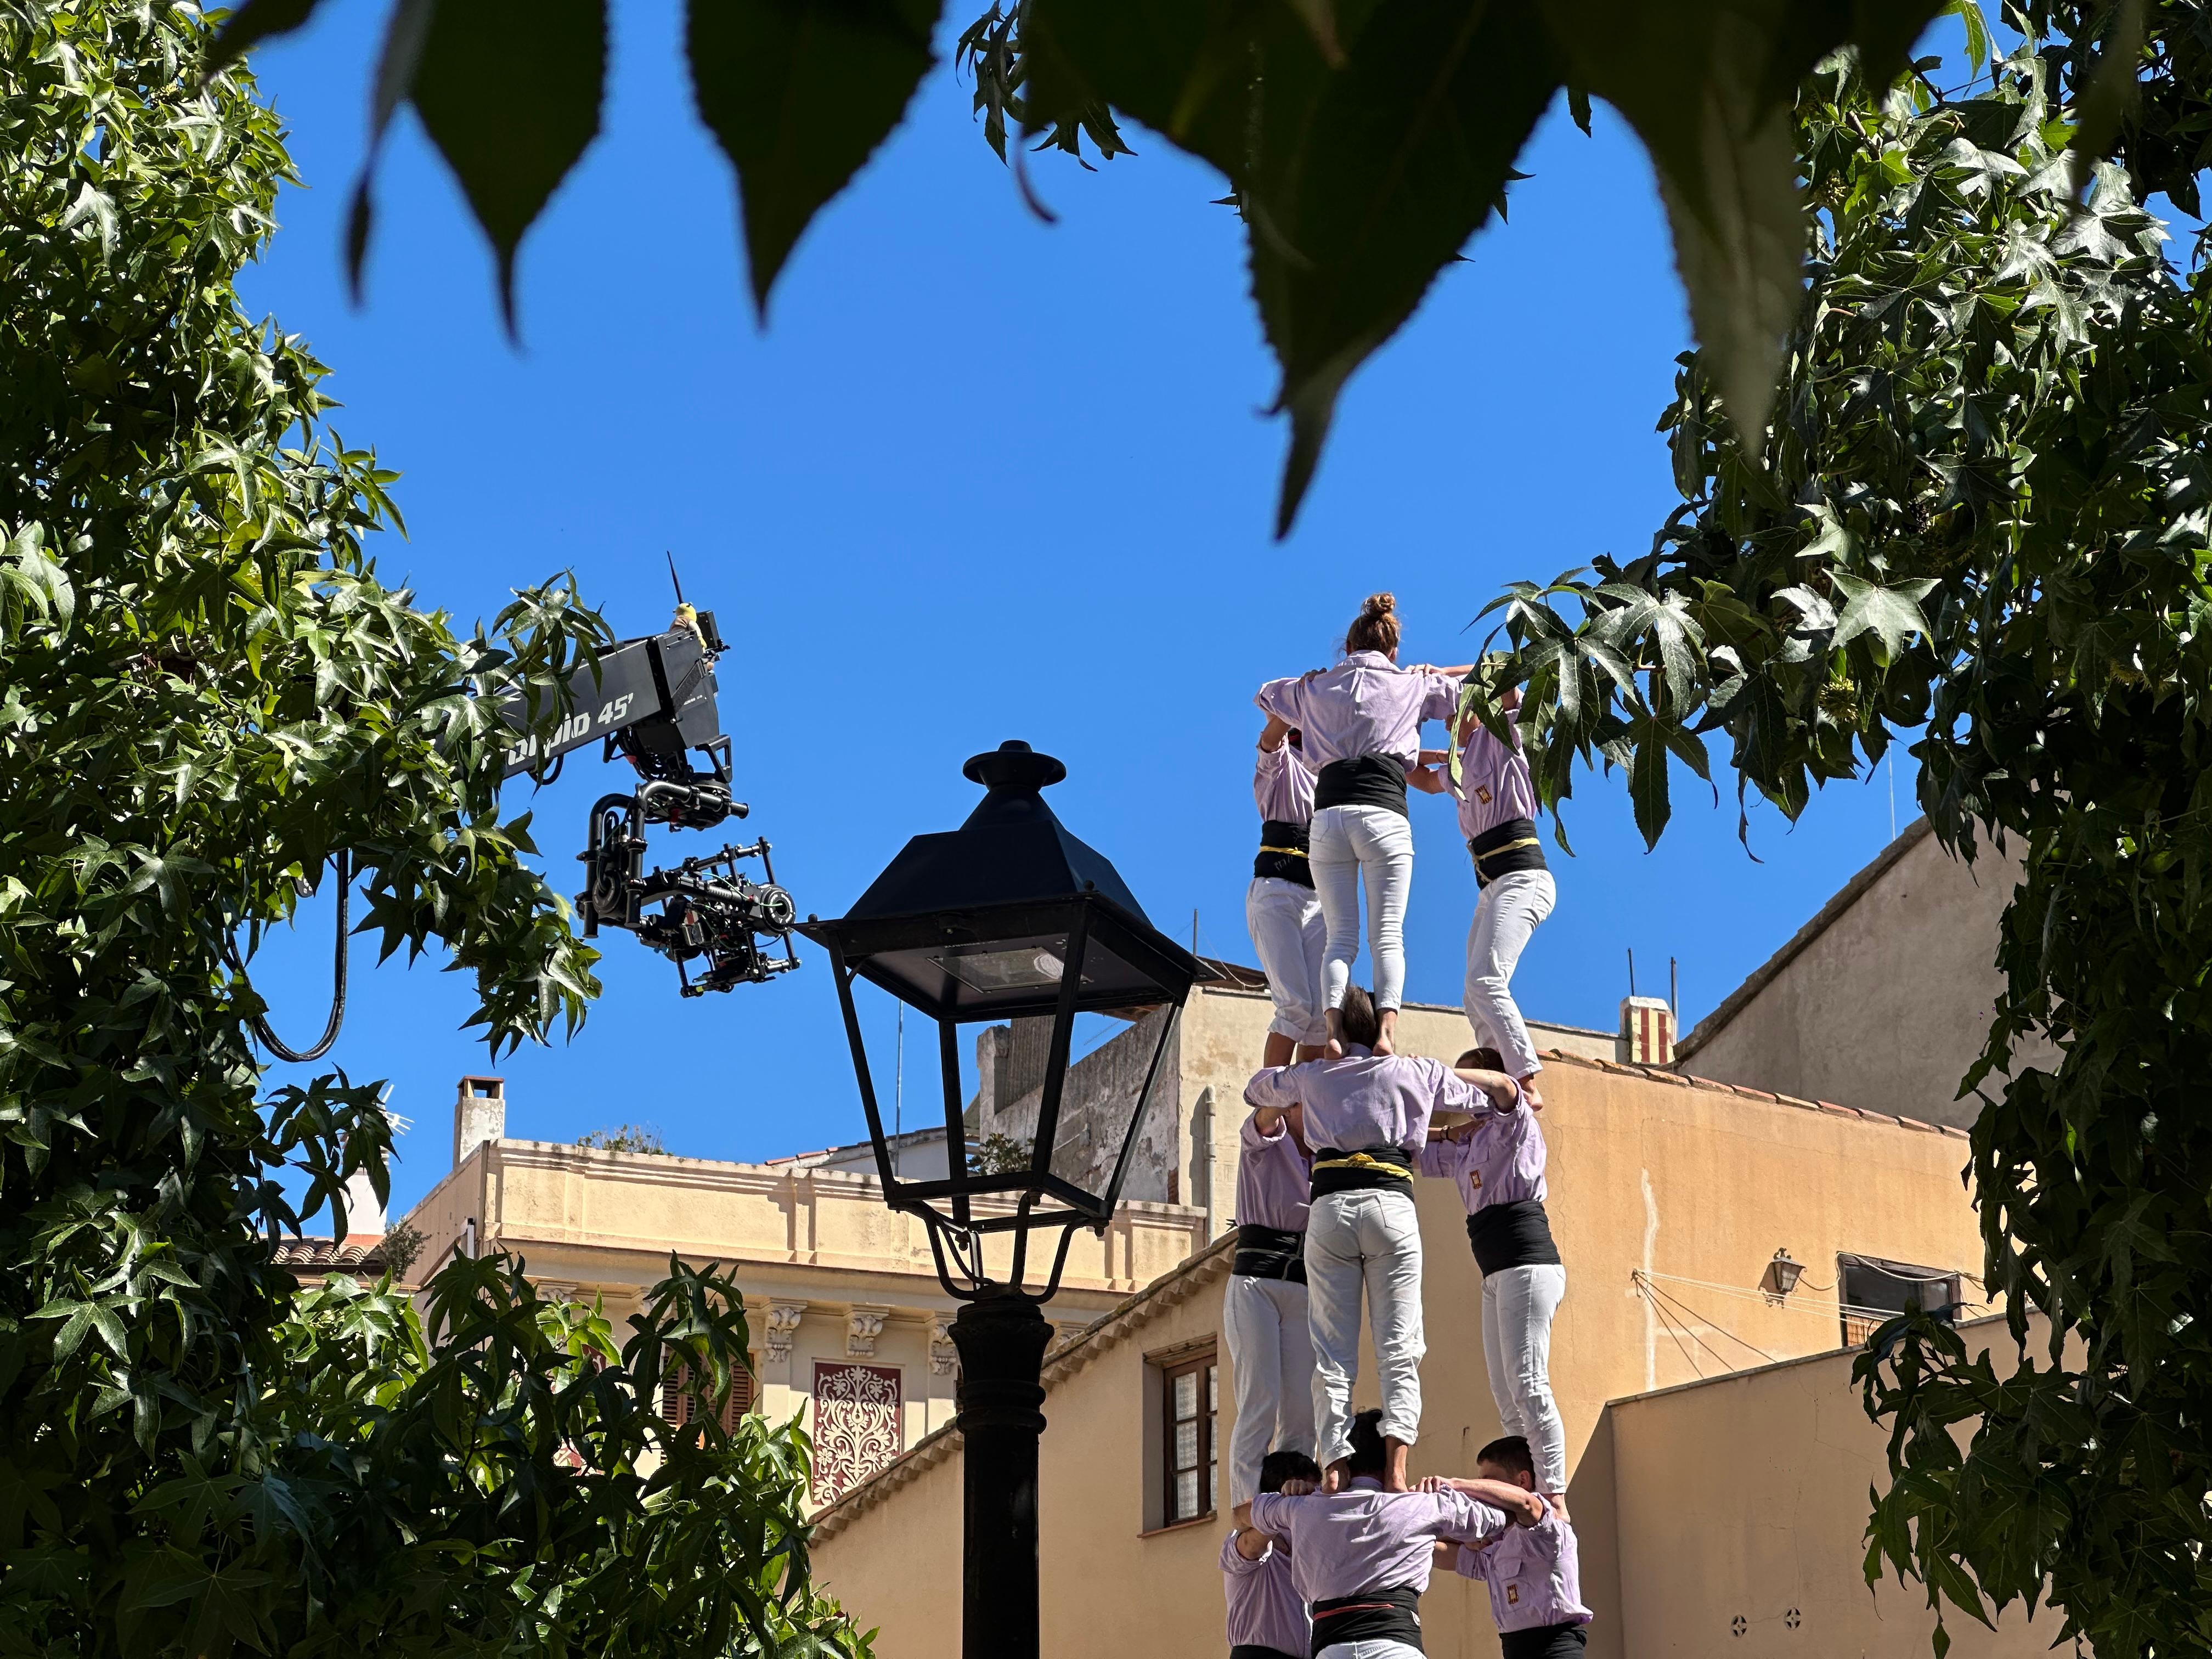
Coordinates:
<point>1531,1094</point>
<point>1333,1051</point>
<point>1386,1041</point>
<point>1394,1465</point>
<point>1558,1500</point>
<point>1334,1476</point>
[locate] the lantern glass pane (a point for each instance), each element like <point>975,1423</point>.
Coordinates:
<point>1097,1101</point>
<point>1009,977</point>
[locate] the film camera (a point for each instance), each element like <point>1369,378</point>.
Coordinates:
<point>651,701</point>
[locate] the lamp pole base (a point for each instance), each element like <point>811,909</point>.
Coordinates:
<point>1001,1337</point>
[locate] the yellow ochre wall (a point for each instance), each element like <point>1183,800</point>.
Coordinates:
<point>1649,1172</point>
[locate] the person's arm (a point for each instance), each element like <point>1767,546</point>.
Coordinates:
<point>1468,1520</point>
<point>1446,1558</point>
<point>1279,700</point>
<point>1430,780</point>
<point>1271,1086</point>
<point>1518,1504</point>
<point>1504,1093</point>
<point>1247,1549</point>
<point>1278,728</point>
<point>1267,1122</point>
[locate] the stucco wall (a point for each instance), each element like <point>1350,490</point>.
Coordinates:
<point>1887,1002</point>
<point>1100,1092</point>
<point>1799,1453</point>
<point>1648,1173</point>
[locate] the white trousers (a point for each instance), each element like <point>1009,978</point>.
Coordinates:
<point>1291,937</point>
<point>1349,844</point>
<point>1511,909</point>
<point>1517,1305</point>
<point>1384,1650</point>
<point>1271,1361</point>
<point>1366,1240</point>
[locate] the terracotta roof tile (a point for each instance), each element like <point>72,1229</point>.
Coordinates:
<point>328,1256</point>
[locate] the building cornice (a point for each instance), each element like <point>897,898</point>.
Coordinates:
<point>1744,1092</point>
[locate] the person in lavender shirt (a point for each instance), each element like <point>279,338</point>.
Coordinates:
<point>1361,721</point>
<point>1267,1617</point>
<point>1281,907</point>
<point>1497,1159</point>
<point>1497,817</point>
<point>1361,1557</point>
<point>1533,1573</point>
<point>1366,1117</point>
<point>1263,1310</point>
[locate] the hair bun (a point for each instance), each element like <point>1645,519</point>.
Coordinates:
<point>1379,605</point>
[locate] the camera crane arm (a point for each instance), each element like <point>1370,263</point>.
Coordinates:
<point>651,701</point>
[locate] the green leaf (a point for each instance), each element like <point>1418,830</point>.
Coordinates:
<point>252,23</point>
<point>509,91</point>
<point>799,93</point>
<point>1888,613</point>
<point>1707,87</point>
<point>1359,183</point>
<point>2115,89</point>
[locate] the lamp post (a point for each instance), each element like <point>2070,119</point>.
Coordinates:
<point>1007,917</point>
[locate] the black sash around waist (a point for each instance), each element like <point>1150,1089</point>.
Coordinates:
<point>1269,1252</point>
<point>1382,1615</point>
<point>1505,847</point>
<point>1515,1235</point>
<point>1338,1171</point>
<point>1283,852</point>
<point>1544,1641</point>
<point>1261,1650</point>
<point>1371,780</point>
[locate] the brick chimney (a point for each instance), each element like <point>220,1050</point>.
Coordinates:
<point>1647,1032</point>
<point>479,1114</point>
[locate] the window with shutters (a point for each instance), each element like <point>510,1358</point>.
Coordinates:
<point>680,1404</point>
<point>1190,1405</point>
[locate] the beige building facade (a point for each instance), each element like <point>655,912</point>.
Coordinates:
<point>1883,999</point>
<point>1698,1405</point>
<point>1719,1458</point>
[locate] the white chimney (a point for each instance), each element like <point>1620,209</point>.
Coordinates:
<point>479,1114</point>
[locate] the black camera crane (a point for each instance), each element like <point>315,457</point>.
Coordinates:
<point>651,701</point>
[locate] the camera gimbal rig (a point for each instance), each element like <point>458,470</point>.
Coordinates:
<point>651,702</point>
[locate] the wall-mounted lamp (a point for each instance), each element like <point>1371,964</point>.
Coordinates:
<point>1781,1276</point>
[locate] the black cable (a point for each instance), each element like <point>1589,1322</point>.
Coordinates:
<point>344,860</point>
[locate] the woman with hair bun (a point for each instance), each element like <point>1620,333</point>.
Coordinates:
<point>1361,722</point>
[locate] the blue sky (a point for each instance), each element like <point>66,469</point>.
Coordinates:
<point>983,478</point>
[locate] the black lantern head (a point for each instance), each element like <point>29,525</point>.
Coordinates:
<point>1009,917</point>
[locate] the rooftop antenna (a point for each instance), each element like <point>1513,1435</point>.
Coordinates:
<point>1674,988</point>
<point>1632,971</point>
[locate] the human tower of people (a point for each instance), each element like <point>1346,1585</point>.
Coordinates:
<point>1332,1546</point>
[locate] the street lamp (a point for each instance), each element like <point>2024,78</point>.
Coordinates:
<point>1007,917</point>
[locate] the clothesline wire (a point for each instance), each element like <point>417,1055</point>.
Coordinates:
<point>1667,1321</point>
<point>1823,1310</point>
<point>1711,1324</point>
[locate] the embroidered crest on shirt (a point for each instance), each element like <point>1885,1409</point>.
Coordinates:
<point>1475,1179</point>
<point>1513,1595</point>
<point>1482,793</point>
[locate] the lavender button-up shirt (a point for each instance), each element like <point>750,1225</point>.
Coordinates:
<point>1265,1608</point>
<point>1365,705</point>
<point>1493,782</point>
<point>1365,1100</point>
<point>1273,1178</point>
<point>1501,1162</point>
<point>1533,1573</point>
<point>1283,785</point>
<point>1365,1539</point>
